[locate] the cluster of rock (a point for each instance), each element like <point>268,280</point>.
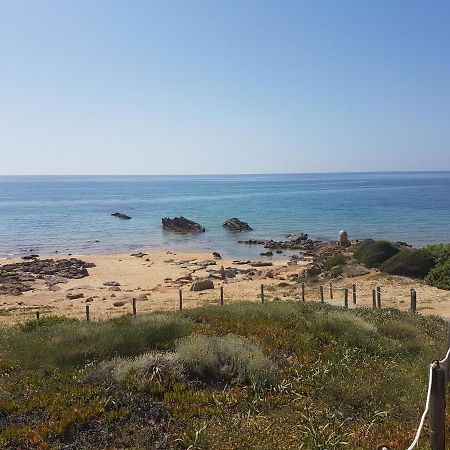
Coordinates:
<point>20,277</point>
<point>235,224</point>
<point>293,242</point>
<point>182,225</point>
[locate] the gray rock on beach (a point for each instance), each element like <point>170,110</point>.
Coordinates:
<point>201,285</point>
<point>235,224</point>
<point>182,225</point>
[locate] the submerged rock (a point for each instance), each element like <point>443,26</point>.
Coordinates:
<point>182,225</point>
<point>235,224</point>
<point>120,215</point>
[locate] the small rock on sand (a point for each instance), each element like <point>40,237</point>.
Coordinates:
<point>201,285</point>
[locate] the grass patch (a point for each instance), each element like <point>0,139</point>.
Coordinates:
<point>273,375</point>
<point>336,260</point>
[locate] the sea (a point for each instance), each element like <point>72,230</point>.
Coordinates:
<point>72,214</point>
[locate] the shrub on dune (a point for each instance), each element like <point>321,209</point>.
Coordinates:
<point>414,263</point>
<point>375,253</point>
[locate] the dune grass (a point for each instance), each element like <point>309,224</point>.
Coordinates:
<point>199,379</point>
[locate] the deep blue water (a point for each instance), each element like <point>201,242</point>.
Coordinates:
<point>44,214</point>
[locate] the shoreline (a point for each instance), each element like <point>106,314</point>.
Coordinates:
<point>155,278</point>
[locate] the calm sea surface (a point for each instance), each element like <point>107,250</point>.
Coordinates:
<point>68,214</point>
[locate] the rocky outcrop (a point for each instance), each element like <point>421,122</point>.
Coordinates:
<point>201,285</point>
<point>234,224</point>
<point>182,225</point>
<point>120,215</point>
<point>21,277</point>
<point>343,239</point>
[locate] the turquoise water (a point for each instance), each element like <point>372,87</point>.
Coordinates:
<point>68,214</point>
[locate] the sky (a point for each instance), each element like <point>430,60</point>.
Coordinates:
<point>215,87</point>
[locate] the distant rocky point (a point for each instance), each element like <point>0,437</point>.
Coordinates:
<point>182,225</point>
<point>120,215</point>
<point>235,224</point>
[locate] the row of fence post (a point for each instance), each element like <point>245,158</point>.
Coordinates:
<point>376,298</point>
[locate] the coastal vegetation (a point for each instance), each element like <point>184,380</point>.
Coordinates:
<point>277,375</point>
<point>431,263</point>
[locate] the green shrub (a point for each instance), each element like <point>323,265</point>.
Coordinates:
<point>230,359</point>
<point>414,263</point>
<point>375,253</point>
<point>439,276</point>
<point>335,260</point>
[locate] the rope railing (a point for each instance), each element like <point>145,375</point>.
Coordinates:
<point>437,441</point>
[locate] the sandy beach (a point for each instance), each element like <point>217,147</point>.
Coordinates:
<point>155,278</point>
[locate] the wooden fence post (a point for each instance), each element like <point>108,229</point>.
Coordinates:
<point>437,407</point>
<point>37,315</point>
<point>88,317</point>
<point>303,292</point>
<point>354,293</point>
<point>134,306</point>
<point>321,293</point>
<point>413,301</point>
<point>346,297</point>
<point>379,297</point>
<point>221,295</point>
<point>331,290</point>
<point>374,299</point>
<point>262,293</point>
<point>181,299</point>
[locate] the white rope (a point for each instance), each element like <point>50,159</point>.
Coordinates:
<point>427,403</point>
<point>425,412</point>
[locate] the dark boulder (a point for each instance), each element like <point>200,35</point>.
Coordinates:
<point>234,224</point>
<point>182,225</point>
<point>120,215</point>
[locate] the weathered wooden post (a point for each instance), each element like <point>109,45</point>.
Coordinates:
<point>346,297</point>
<point>223,274</point>
<point>331,290</point>
<point>321,293</point>
<point>437,407</point>
<point>37,315</point>
<point>262,293</point>
<point>354,293</point>
<point>374,299</point>
<point>180,292</point>
<point>221,295</point>
<point>413,301</point>
<point>134,306</point>
<point>303,292</point>
<point>379,297</point>
<point>88,317</point>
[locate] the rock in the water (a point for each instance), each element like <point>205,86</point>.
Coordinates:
<point>201,285</point>
<point>120,215</point>
<point>217,255</point>
<point>343,239</point>
<point>269,253</point>
<point>235,224</point>
<point>182,225</point>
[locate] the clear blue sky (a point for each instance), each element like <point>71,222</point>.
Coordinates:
<point>232,86</point>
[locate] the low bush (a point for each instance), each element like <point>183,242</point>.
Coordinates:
<point>228,359</point>
<point>375,253</point>
<point>439,276</point>
<point>414,263</point>
<point>336,260</point>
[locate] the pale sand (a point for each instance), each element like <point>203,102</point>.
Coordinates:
<point>138,276</point>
